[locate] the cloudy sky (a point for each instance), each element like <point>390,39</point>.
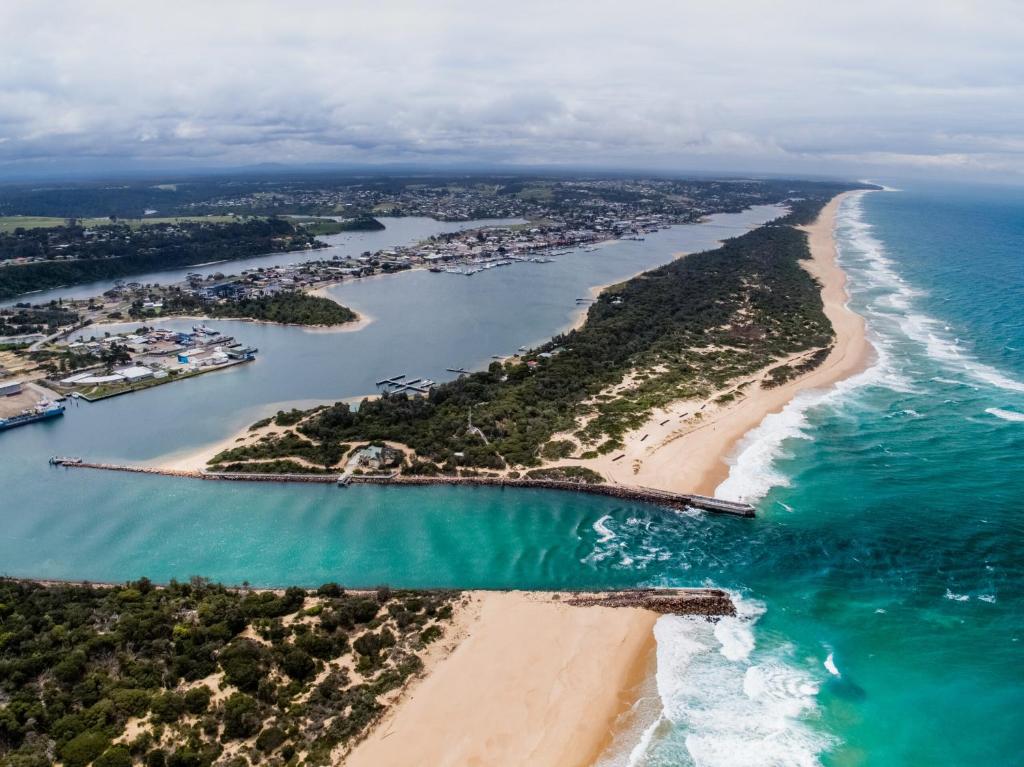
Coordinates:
<point>865,88</point>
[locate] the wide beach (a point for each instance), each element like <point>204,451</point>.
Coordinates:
<point>531,680</point>
<point>695,457</point>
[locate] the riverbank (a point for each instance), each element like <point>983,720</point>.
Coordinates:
<point>694,456</point>
<point>564,676</point>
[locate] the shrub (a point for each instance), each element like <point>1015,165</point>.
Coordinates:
<point>330,590</point>
<point>117,756</point>
<point>245,663</point>
<point>84,748</point>
<point>297,663</point>
<point>241,716</point>
<point>431,634</point>
<point>270,739</point>
<point>197,699</point>
<point>167,707</point>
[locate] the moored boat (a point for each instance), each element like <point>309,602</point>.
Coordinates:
<point>42,412</point>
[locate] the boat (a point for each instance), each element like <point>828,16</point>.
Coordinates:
<point>63,460</point>
<point>41,412</point>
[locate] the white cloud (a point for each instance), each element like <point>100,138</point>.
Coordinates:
<point>788,86</point>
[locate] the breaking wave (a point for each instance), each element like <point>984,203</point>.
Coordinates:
<point>888,304</point>
<point>1006,415</point>
<point>723,702</point>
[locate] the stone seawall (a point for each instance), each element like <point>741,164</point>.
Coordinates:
<point>708,602</point>
<point>676,501</point>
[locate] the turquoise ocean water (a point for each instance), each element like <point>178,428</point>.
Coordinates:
<point>884,584</point>
<point>881,587</point>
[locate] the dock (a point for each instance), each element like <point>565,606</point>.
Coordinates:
<point>400,383</point>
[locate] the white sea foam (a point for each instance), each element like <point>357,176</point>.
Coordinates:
<point>830,665</point>
<point>953,382</point>
<point>933,335</point>
<point>951,595</point>
<point>639,751</point>
<point>891,320</point>
<point>1006,415</point>
<point>723,702</point>
<point>990,598</point>
<point>601,528</point>
<point>752,470</point>
<point>736,634</point>
<point>927,331</point>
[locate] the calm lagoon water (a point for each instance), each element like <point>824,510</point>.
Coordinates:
<point>397,231</point>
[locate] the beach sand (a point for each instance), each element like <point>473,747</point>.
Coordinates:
<point>530,681</point>
<point>692,456</point>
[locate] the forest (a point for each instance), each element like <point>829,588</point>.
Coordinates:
<point>683,330</point>
<point>72,254</point>
<point>291,308</point>
<point>23,319</point>
<point>195,673</point>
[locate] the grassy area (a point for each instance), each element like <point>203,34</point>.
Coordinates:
<point>10,223</point>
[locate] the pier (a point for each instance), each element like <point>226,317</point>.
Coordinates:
<point>678,501</point>
<point>399,383</point>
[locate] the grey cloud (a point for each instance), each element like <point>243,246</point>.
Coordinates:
<point>794,85</point>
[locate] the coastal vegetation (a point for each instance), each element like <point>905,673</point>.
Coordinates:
<point>196,673</point>
<point>322,226</point>
<point>325,453</point>
<point>42,258</point>
<point>685,330</point>
<point>291,307</point>
<point>23,319</point>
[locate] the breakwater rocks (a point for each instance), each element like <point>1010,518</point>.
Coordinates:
<point>711,603</point>
<point>678,501</point>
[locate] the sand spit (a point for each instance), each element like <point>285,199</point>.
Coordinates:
<point>692,456</point>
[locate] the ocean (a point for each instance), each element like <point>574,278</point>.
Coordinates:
<point>881,588</point>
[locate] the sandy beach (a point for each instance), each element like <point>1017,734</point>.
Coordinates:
<point>530,681</point>
<point>693,456</point>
